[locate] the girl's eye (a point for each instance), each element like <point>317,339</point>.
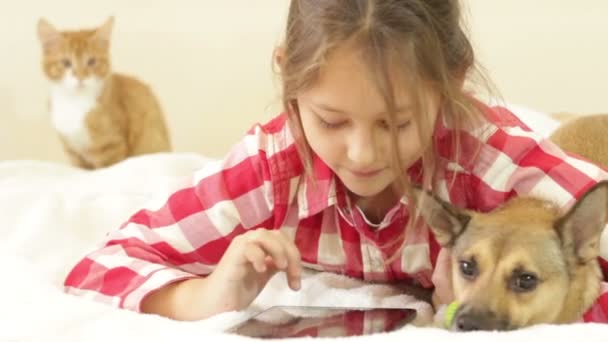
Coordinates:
<point>400,126</point>
<point>331,125</point>
<point>91,61</point>
<point>66,63</point>
<point>403,125</point>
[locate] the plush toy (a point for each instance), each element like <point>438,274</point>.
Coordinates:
<point>450,312</point>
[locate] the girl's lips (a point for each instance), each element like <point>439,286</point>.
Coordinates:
<point>365,174</point>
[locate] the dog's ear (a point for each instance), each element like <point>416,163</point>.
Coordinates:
<point>581,227</point>
<point>446,221</point>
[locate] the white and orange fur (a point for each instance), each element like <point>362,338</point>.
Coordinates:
<point>101,117</point>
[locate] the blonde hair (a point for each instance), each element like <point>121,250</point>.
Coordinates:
<point>425,37</point>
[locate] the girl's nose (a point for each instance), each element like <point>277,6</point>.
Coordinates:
<point>362,149</point>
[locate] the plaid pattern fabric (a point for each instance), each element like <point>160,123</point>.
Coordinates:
<point>261,184</point>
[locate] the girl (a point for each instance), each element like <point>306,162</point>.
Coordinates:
<point>374,103</point>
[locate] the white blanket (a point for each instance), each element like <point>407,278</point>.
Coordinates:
<point>52,215</point>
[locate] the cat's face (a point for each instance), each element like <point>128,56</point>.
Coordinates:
<point>75,60</point>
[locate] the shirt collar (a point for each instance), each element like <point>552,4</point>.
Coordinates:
<point>320,190</point>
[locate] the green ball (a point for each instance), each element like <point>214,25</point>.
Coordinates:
<point>450,312</point>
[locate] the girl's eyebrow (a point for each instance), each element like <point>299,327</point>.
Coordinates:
<point>328,108</point>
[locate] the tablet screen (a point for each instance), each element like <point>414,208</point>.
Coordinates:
<point>300,321</point>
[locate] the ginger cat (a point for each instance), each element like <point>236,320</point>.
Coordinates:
<point>101,117</point>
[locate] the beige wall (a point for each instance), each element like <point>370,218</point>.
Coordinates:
<point>550,55</point>
<point>209,61</point>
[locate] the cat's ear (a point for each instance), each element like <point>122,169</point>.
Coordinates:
<point>104,32</point>
<point>48,34</point>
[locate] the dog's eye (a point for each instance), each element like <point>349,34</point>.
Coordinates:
<point>468,269</point>
<point>524,282</point>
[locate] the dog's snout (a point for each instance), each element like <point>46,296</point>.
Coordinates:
<point>467,322</point>
<point>470,320</point>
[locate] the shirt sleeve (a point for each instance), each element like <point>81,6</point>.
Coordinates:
<point>513,160</point>
<point>187,234</point>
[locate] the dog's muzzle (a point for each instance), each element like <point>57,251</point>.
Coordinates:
<point>471,319</point>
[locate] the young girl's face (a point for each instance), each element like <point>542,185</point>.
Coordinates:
<point>345,123</point>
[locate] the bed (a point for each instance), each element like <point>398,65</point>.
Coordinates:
<point>52,214</point>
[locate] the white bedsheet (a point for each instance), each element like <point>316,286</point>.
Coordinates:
<point>52,214</point>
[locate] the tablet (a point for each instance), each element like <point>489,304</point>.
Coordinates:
<point>301,321</point>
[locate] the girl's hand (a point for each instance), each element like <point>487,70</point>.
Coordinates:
<point>250,261</point>
<point>245,268</point>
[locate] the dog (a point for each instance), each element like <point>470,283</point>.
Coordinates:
<point>586,136</point>
<point>525,262</point>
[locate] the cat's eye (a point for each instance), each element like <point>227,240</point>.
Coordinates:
<point>468,269</point>
<point>91,61</point>
<point>66,63</point>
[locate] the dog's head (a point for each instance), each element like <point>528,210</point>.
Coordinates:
<point>523,263</point>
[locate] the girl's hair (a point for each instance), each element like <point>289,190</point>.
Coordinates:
<point>424,39</point>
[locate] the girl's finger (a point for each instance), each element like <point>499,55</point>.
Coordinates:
<point>256,256</point>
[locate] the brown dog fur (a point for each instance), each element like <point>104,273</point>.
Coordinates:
<point>526,263</point>
<point>586,136</point>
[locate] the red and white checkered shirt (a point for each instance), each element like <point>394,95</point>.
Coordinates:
<point>261,184</point>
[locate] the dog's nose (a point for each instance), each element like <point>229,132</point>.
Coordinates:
<point>467,322</point>
<point>471,320</point>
